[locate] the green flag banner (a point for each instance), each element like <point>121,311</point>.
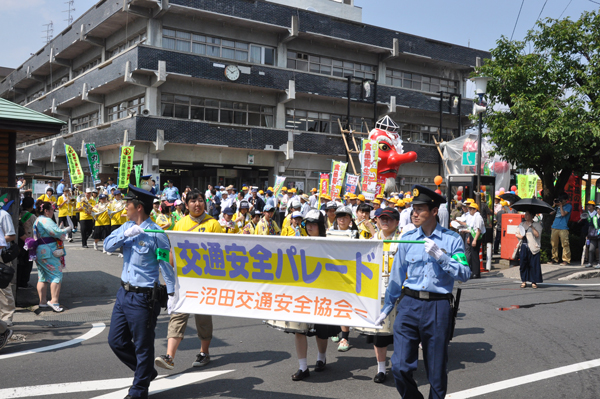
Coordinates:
<point>125,165</point>
<point>138,174</point>
<point>93,161</point>
<point>75,171</point>
<point>279,180</point>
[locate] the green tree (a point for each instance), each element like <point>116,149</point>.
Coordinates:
<point>544,99</point>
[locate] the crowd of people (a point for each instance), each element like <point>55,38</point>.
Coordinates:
<point>118,223</point>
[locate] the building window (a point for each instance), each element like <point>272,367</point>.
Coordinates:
<point>119,111</point>
<point>417,81</point>
<point>85,121</point>
<point>209,110</point>
<point>321,122</point>
<point>421,134</point>
<point>329,66</point>
<point>86,67</point>
<point>139,38</point>
<point>217,47</point>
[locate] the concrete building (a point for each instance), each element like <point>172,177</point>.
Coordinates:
<point>237,91</point>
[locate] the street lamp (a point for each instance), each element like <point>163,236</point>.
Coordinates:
<point>480,88</point>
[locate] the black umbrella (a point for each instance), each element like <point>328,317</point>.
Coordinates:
<point>512,198</point>
<point>532,205</point>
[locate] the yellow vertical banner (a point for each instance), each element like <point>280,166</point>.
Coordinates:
<point>75,171</point>
<point>323,185</point>
<point>125,165</point>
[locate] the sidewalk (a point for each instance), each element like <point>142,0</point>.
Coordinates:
<point>553,272</point>
<point>90,283</point>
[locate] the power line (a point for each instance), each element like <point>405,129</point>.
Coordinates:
<point>513,32</point>
<point>561,14</point>
<point>544,6</point>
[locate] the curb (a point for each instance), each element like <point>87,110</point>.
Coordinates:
<point>582,275</point>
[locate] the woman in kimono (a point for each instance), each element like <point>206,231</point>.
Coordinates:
<point>50,256</point>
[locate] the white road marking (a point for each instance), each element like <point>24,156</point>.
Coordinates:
<point>563,285</point>
<point>96,329</point>
<point>526,379</point>
<point>67,387</point>
<point>171,382</point>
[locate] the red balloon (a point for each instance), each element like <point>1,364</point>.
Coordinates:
<point>459,197</point>
<point>513,188</point>
<point>438,191</point>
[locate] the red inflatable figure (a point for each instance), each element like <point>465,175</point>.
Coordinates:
<point>391,153</point>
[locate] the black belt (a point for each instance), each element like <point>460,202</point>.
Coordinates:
<point>425,294</point>
<point>137,290</point>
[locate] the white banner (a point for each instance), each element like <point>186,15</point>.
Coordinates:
<point>301,279</point>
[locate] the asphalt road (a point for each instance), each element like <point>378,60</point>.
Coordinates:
<point>536,331</point>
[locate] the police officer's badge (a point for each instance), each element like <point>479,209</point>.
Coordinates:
<point>415,192</point>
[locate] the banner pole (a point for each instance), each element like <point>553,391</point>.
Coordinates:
<point>385,241</point>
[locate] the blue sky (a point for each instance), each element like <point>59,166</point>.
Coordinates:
<point>475,23</point>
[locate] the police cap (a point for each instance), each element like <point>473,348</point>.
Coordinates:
<point>424,195</point>
<point>139,194</point>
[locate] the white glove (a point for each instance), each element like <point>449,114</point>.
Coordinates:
<point>171,302</point>
<point>432,249</point>
<point>380,319</point>
<point>133,231</point>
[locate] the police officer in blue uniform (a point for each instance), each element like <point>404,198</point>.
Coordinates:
<point>422,279</point>
<point>133,321</point>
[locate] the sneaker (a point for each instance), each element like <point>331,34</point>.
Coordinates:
<point>597,266</point>
<point>120,255</point>
<point>70,240</point>
<point>201,360</point>
<point>84,246</point>
<point>95,246</point>
<point>4,337</point>
<point>335,338</point>
<point>165,361</point>
<point>344,346</point>
<point>564,264</point>
<point>588,265</point>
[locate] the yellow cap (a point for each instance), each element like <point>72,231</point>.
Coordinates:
<point>245,188</point>
<point>361,197</point>
<point>352,196</point>
<point>496,197</point>
<point>284,188</point>
<point>380,196</point>
<point>261,192</point>
<point>270,189</point>
<point>377,201</point>
<point>313,190</point>
<point>503,203</point>
<point>400,203</point>
<point>591,203</point>
<point>474,205</point>
<point>327,197</point>
<point>469,200</point>
<point>293,190</point>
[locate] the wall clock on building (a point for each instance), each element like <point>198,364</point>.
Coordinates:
<point>232,72</point>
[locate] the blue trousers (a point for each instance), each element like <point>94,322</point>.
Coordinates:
<point>132,339</point>
<point>427,322</point>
